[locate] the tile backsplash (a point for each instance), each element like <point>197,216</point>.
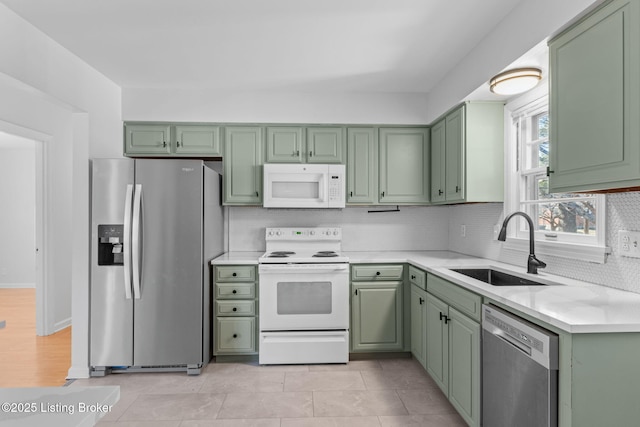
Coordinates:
<point>412,228</point>
<point>623,213</point>
<point>439,228</point>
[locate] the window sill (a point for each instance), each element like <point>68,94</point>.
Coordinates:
<point>594,254</point>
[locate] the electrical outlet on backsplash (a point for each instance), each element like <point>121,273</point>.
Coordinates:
<point>440,228</point>
<point>623,213</point>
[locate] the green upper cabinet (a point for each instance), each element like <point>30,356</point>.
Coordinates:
<point>198,140</point>
<point>454,156</point>
<point>147,139</point>
<point>296,144</point>
<point>467,163</point>
<point>595,101</point>
<point>325,144</point>
<point>362,166</point>
<point>404,166</point>
<point>172,140</point>
<point>438,162</point>
<point>244,157</point>
<point>285,144</point>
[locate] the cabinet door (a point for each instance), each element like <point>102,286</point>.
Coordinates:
<point>362,165</point>
<point>325,145</point>
<point>198,140</point>
<point>235,335</point>
<point>437,342</point>
<point>594,101</point>
<point>438,159</point>
<point>404,166</point>
<point>147,139</point>
<point>243,149</point>
<point>464,366</point>
<point>418,324</point>
<point>454,154</point>
<point>285,145</point>
<point>377,316</point>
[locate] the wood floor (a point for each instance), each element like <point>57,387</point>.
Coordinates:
<point>27,360</point>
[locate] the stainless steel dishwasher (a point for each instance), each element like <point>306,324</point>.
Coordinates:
<point>519,372</point>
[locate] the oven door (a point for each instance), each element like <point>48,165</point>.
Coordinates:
<point>304,297</point>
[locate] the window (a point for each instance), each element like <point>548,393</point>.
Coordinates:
<point>560,219</point>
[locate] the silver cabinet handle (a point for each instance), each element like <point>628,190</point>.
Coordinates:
<point>126,241</point>
<point>136,246</point>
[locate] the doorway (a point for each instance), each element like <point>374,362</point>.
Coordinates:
<point>22,219</point>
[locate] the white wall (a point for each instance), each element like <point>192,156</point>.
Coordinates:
<point>618,271</point>
<point>524,27</point>
<point>17,216</point>
<point>51,95</point>
<point>270,107</point>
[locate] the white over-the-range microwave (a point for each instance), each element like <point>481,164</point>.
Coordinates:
<point>304,185</point>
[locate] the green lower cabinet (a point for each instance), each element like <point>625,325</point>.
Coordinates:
<point>235,322</point>
<point>419,324</point>
<point>437,342</point>
<point>453,357</point>
<point>377,316</point>
<point>464,366</point>
<point>235,335</point>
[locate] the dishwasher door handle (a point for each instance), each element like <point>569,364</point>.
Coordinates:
<point>518,345</point>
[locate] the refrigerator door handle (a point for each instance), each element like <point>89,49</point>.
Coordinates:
<point>135,240</point>
<point>126,249</point>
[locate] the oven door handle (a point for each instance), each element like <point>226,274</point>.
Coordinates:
<point>302,268</point>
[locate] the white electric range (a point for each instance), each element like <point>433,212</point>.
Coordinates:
<point>304,297</point>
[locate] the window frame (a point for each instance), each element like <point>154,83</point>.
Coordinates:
<point>566,245</point>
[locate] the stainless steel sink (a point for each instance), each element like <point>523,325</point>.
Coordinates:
<point>495,277</point>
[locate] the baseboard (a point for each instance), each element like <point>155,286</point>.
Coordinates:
<point>17,285</point>
<point>78,372</point>
<point>58,326</point>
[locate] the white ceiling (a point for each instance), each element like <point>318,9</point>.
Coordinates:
<point>292,45</point>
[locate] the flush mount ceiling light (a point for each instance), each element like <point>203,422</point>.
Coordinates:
<point>515,81</point>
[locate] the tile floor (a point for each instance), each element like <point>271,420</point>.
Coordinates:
<point>385,393</point>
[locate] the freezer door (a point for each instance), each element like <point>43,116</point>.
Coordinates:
<point>168,312</point>
<point>111,339</point>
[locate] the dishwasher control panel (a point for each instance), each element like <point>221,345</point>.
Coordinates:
<point>538,343</point>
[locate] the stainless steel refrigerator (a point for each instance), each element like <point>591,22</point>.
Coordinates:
<point>155,225</point>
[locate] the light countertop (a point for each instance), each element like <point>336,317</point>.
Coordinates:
<point>570,305</point>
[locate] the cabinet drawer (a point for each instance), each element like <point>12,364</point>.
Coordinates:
<point>235,273</point>
<point>235,308</point>
<point>465,301</point>
<point>376,272</point>
<point>235,335</point>
<point>418,277</point>
<point>235,290</point>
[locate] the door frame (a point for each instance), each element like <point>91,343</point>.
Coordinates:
<point>41,142</point>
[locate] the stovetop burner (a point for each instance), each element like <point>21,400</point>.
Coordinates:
<point>325,254</point>
<point>280,254</point>
<point>304,245</point>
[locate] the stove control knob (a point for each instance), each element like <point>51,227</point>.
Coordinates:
<point>335,232</point>
<point>270,233</point>
<point>312,233</point>
<point>278,233</point>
